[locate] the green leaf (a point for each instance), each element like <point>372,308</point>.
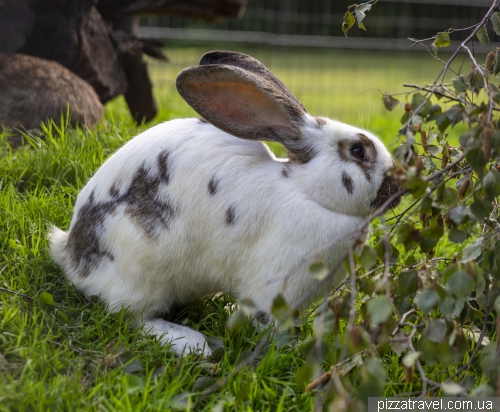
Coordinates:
<point>215,343</point>
<point>457,214</point>
<point>457,236</point>
<point>459,84</point>
<point>364,7</point>
<point>280,308</point>
<point>303,375</point>
<point>442,122</point>
<point>435,330</point>
<point>319,271</point>
<point>366,285</point>
<point>481,209</point>
<point>434,111</point>
<point>497,305</point>
<point>379,308</point>
<point>451,308</point>
<point>433,232</point>
<point>484,390</point>
<point>324,324</point>
<point>482,35</point>
<point>410,359</point>
<point>408,236</point>
<point>418,100</point>
<point>368,257</point>
<point>471,251</point>
<point>348,22</point>
<point>180,402</point>
<point>468,141</point>
<point>133,366</point>
<point>456,114</point>
<point>496,64</point>
<point>442,39</point>
<point>450,196</point>
<point>460,284</point>
<point>389,101</point>
<point>452,388</point>
<point>46,298</point>
<point>408,282</point>
<point>434,150</point>
<point>429,164</point>
<point>476,160</point>
<point>427,243</point>
<point>237,320</point>
<point>202,383</point>
<point>360,16</point>
<point>476,80</point>
<point>434,49</point>
<point>376,369</point>
<point>427,300</point>
<point>495,20</point>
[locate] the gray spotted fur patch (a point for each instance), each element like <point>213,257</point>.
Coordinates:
<point>83,242</point>
<point>142,204</point>
<point>262,317</point>
<point>213,186</point>
<point>347,182</point>
<point>230,216</point>
<point>163,167</point>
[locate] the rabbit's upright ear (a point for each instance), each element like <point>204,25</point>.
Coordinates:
<point>239,95</point>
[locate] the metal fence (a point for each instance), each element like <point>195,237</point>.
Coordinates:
<point>317,23</point>
<point>298,40</point>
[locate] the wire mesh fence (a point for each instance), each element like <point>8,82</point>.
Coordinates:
<point>302,42</point>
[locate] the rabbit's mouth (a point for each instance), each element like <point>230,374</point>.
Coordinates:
<point>389,187</point>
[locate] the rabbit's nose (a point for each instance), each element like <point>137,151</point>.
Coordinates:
<point>390,186</point>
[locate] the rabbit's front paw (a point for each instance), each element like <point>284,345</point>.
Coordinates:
<point>182,340</point>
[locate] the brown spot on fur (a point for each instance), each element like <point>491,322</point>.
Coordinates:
<point>83,243</point>
<point>321,122</point>
<point>114,191</point>
<point>230,216</point>
<point>142,205</point>
<point>367,165</point>
<point>347,182</point>
<point>390,186</point>
<point>366,140</point>
<point>284,172</point>
<point>262,317</point>
<point>149,212</point>
<point>213,186</point>
<point>163,167</point>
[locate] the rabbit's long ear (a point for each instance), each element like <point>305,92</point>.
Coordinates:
<point>239,95</point>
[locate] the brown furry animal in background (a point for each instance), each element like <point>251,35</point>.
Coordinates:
<point>34,90</point>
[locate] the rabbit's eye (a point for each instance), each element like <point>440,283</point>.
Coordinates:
<point>358,151</point>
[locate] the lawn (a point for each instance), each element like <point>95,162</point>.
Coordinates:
<point>62,351</point>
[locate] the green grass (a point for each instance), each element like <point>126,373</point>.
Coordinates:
<point>72,354</point>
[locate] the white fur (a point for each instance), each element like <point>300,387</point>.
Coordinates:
<point>281,224</point>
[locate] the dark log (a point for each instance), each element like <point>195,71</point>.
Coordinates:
<point>98,63</point>
<point>72,33</point>
<point>97,40</point>
<point>139,93</point>
<point>33,90</point>
<point>16,20</point>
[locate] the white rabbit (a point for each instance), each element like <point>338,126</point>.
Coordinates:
<point>192,207</point>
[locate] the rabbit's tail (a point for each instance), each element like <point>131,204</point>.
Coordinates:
<point>58,239</point>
